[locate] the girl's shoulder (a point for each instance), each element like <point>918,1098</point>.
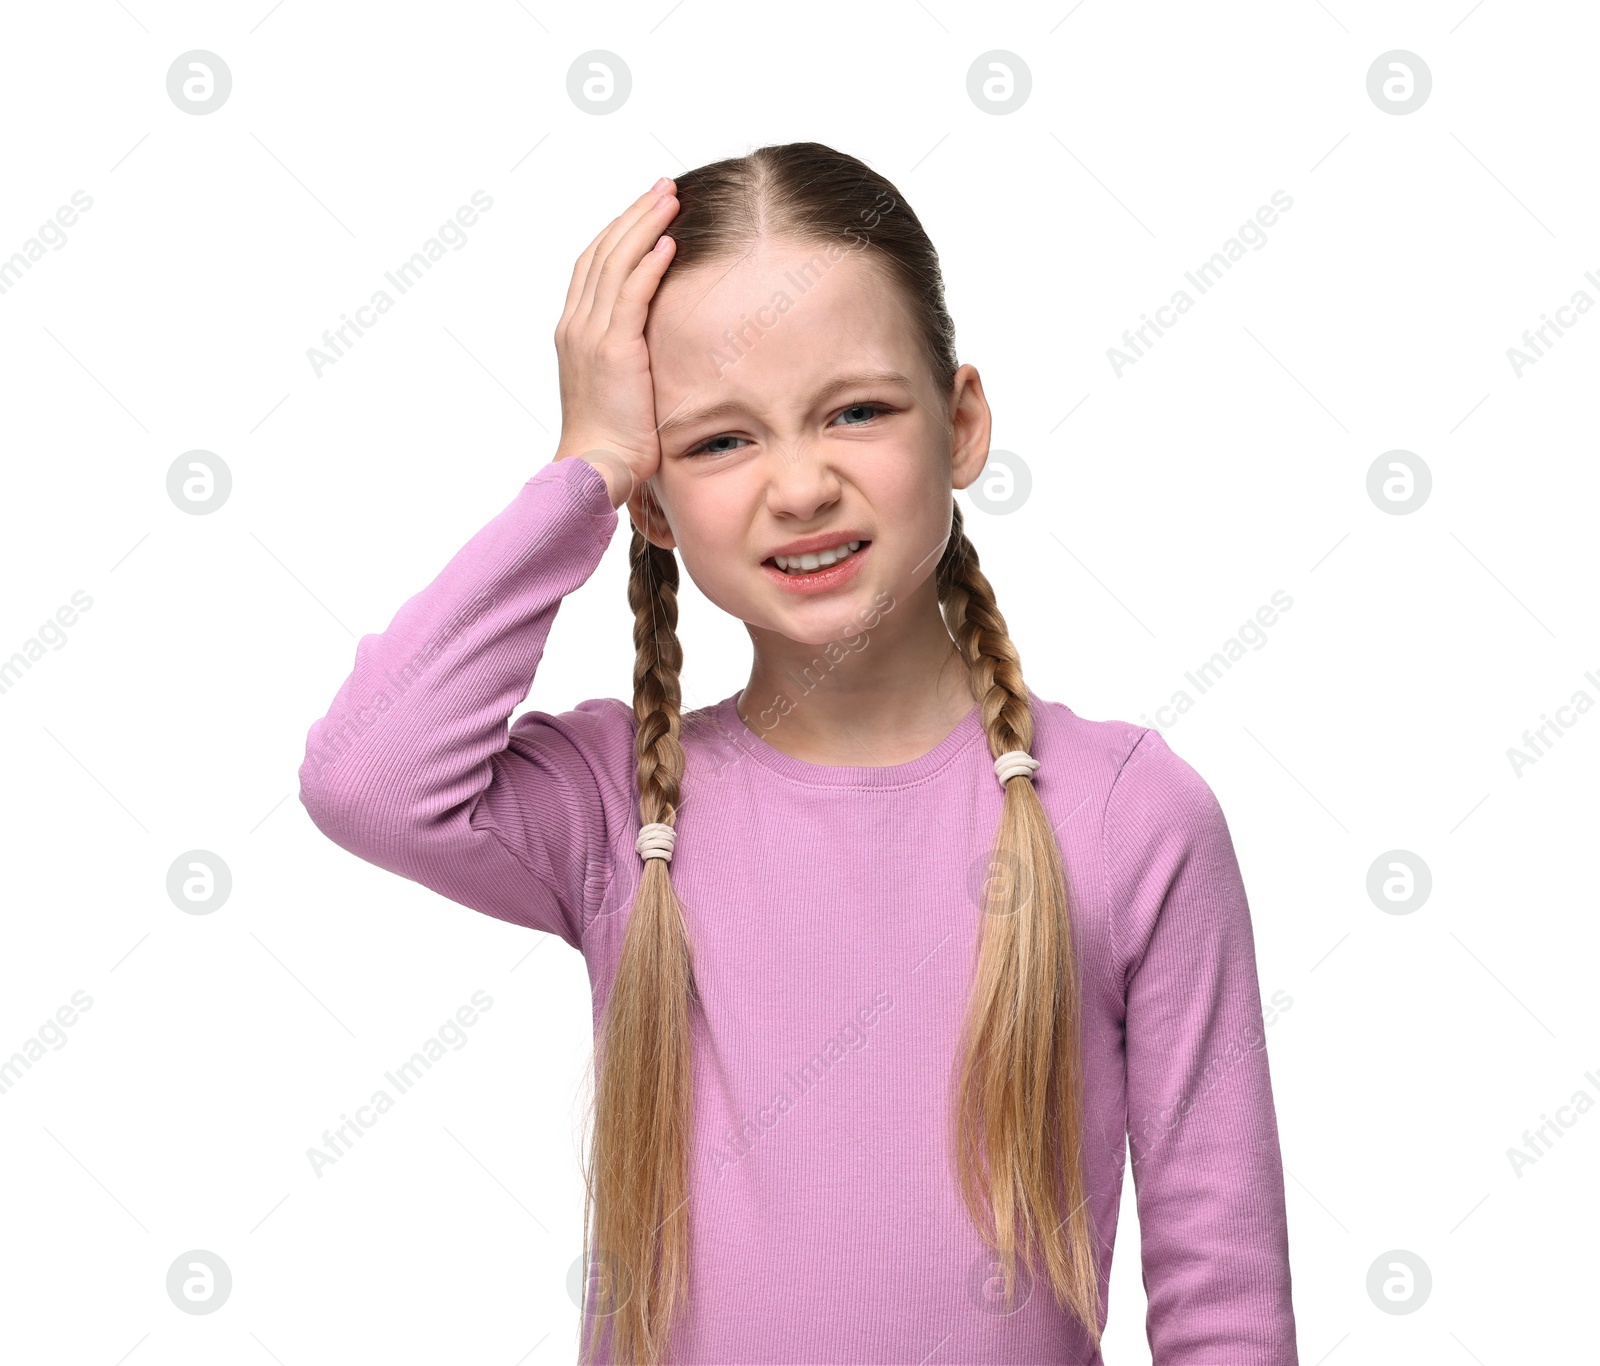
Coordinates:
<point>1138,776</point>
<point>1099,747</point>
<point>600,732</point>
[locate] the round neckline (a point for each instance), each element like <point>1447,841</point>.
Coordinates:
<point>965,732</point>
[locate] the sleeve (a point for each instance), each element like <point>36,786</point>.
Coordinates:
<point>414,767</point>
<point>1208,1175</point>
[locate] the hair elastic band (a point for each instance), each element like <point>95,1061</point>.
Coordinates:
<point>1014,763</point>
<point>655,841</point>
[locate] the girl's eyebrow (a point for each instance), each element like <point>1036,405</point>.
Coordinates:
<point>681,418</point>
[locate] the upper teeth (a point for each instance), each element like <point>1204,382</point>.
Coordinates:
<point>816,559</point>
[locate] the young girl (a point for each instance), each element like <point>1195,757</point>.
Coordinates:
<point>890,955</point>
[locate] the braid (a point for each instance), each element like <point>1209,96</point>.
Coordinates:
<point>658,662</point>
<point>638,1174</point>
<point>981,638</point>
<point>1016,1113</point>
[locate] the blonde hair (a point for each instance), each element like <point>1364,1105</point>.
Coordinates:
<point>1016,1124</point>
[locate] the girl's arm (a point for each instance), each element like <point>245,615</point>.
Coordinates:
<point>1208,1176</point>
<point>414,768</point>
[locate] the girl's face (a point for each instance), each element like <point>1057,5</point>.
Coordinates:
<point>794,401</point>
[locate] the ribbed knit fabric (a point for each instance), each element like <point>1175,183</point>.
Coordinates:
<point>833,917</point>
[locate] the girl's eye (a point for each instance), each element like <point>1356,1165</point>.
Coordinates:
<point>706,447</point>
<point>872,410</point>
<point>710,446</point>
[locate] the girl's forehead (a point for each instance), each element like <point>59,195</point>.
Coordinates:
<point>770,274</point>
<point>778,311</point>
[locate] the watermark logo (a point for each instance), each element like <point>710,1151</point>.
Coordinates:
<point>999,82</point>
<point>199,82</point>
<point>986,1285</point>
<point>198,882</point>
<point>613,1284</point>
<point>1005,484</point>
<point>199,482</point>
<point>199,1282</point>
<point>599,82</point>
<point>1399,882</point>
<point>1399,1282</point>
<point>1399,482</point>
<point>1399,82</point>
<point>994,878</point>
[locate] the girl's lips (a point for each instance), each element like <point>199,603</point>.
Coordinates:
<point>822,580</point>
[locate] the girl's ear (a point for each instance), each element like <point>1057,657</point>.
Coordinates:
<point>970,427</point>
<point>644,510</point>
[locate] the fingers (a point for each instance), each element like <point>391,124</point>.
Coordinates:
<point>580,273</point>
<point>581,284</point>
<point>631,251</point>
<point>645,205</point>
<point>632,303</point>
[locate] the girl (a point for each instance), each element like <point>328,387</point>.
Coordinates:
<point>868,1046</point>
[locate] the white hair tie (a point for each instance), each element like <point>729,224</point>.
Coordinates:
<point>1014,762</point>
<point>655,841</point>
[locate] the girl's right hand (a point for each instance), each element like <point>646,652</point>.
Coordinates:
<point>608,409</point>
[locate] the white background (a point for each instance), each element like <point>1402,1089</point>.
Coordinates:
<point>1228,462</point>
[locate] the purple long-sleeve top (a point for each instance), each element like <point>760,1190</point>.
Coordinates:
<point>833,915</point>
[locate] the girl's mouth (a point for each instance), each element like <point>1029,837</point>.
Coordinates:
<point>820,580</point>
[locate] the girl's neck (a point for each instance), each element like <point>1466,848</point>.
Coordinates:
<point>851,714</point>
